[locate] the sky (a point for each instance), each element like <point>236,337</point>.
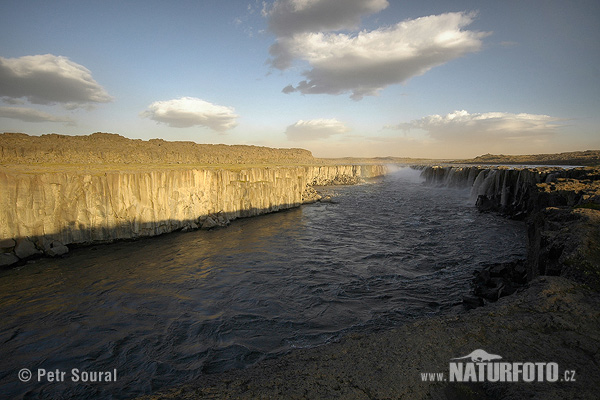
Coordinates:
<point>362,78</point>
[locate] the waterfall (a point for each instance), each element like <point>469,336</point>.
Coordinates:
<point>495,188</point>
<point>477,184</point>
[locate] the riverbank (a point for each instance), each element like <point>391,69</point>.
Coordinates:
<point>551,319</point>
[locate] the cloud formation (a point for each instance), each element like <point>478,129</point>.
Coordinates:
<point>315,129</point>
<point>31,115</point>
<point>289,17</point>
<point>496,126</point>
<point>191,111</point>
<point>369,61</point>
<point>49,79</point>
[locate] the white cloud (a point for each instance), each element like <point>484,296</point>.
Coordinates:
<point>31,115</point>
<point>49,79</point>
<point>315,129</point>
<point>190,111</point>
<point>491,126</point>
<point>289,17</point>
<point>367,62</point>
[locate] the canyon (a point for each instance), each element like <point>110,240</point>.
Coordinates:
<point>552,317</point>
<point>59,192</point>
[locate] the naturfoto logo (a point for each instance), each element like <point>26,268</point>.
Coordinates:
<point>481,366</point>
<point>480,356</point>
<point>484,367</point>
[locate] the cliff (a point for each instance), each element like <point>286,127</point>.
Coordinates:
<point>58,190</point>
<point>42,212</point>
<point>561,206</point>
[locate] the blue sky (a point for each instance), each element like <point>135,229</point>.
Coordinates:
<point>437,79</point>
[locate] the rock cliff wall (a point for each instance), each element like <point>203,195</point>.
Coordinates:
<point>562,208</point>
<point>43,212</point>
<point>506,190</point>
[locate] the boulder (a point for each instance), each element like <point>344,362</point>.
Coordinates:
<point>191,226</point>
<point>498,280</point>
<point>24,248</point>
<point>57,249</point>
<point>499,270</point>
<point>310,195</point>
<point>470,302</point>
<point>7,259</point>
<point>222,220</point>
<point>328,199</point>
<point>7,245</point>
<point>209,223</point>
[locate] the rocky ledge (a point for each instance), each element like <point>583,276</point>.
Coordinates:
<point>562,241</point>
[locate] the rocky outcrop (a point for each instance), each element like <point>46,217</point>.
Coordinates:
<point>562,208</point>
<point>343,174</point>
<point>495,281</point>
<point>45,212</point>
<point>310,195</point>
<point>565,241</point>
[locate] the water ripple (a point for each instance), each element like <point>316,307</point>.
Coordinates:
<point>166,310</point>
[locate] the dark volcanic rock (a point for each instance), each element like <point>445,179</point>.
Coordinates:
<point>486,204</point>
<point>25,248</point>
<point>495,281</point>
<point>566,242</point>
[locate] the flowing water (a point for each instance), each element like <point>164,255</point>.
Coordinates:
<point>166,310</point>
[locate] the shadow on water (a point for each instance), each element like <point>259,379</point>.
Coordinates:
<point>168,309</point>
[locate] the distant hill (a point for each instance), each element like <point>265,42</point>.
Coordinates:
<point>380,160</point>
<point>588,157</point>
<point>108,148</point>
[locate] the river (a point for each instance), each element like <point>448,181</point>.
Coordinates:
<point>165,310</point>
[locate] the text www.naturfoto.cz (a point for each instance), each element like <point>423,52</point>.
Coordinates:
<point>432,377</point>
